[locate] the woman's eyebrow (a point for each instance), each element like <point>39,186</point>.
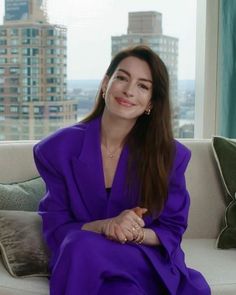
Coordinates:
<point>128,74</point>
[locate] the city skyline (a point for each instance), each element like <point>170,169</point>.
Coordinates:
<point>87,41</point>
<point>33,80</point>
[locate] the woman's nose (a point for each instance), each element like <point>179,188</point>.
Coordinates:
<point>129,89</point>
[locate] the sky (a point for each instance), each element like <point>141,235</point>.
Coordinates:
<point>91,24</point>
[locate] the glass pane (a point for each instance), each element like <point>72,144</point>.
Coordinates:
<point>57,68</point>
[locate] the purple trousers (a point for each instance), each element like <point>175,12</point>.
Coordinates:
<point>89,264</point>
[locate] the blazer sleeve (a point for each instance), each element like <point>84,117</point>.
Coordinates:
<point>172,222</point>
<point>58,219</point>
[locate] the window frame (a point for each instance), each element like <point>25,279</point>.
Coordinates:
<point>206,75</point>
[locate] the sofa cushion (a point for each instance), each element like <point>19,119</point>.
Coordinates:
<point>24,196</point>
<point>225,154</point>
<point>23,251</point>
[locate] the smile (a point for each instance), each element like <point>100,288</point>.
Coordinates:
<point>124,102</point>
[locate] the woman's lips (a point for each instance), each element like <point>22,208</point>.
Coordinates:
<point>124,102</point>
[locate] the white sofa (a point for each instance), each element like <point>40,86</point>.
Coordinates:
<point>199,243</point>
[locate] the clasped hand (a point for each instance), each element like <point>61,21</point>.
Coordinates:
<point>127,226</point>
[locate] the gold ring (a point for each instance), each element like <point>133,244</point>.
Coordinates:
<point>124,241</point>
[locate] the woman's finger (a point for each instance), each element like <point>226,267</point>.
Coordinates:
<point>112,234</point>
<point>130,233</point>
<point>107,229</point>
<point>131,217</point>
<point>140,211</point>
<point>119,234</point>
<point>136,220</point>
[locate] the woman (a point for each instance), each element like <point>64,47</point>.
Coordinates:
<point>116,205</point>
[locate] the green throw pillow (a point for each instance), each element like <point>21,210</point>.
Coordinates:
<point>225,153</point>
<point>22,248</point>
<point>22,196</point>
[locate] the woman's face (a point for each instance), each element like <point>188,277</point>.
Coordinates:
<point>129,90</point>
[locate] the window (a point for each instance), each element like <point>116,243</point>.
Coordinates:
<point>3,42</point>
<point>14,109</point>
<point>57,57</point>
<point>35,70</point>
<point>3,51</point>
<point>13,99</point>
<point>55,109</point>
<point>35,32</point>
<point>51,89</point>
<point>26,51</point>
<point>26,32</point>
<point>35,61</point>
<point>35,98</point>
<point>50,42</point>
<point>50,32</point>
<point>13,90</point>
<point>169,50</point>
<point>35,51</point>
<point>14,70</point>
<point>14,50</point>
<point>39,110</point>
<point>50,61</point>
<point>14,60</point>
<point>52,80</point>
<point>14,42</point>
<point>3,32</point>
<point>3,60</point>
<point>14,32</point>
<point>26,41</point>
<point>35,90</point>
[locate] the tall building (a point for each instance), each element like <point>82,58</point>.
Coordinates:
<point>26,11</point>
<point>145,22</point>
<point>33,64</point>
<point>145,27</point>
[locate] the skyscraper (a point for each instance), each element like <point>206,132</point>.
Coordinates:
<point>33,67</point>
<point>145,27</point>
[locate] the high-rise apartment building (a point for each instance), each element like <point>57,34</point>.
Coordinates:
<point>145,27</point>
<point>33,76</point>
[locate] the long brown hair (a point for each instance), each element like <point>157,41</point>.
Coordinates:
<point>150,141</point>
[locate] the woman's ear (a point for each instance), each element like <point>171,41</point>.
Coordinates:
<point>148,109</point>
<point>149,106</point>
<point>105,83</point>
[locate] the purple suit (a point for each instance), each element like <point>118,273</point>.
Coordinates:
<point>83,262</point>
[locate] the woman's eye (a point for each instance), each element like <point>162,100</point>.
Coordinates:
<point>121,78</point>
<point>143,86</point>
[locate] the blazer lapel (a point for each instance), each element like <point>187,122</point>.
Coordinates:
<point>122,197</point>
<point>88,172</point>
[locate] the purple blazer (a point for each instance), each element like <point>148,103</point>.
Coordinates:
<point>70,162</point>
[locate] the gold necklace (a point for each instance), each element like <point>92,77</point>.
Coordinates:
<point>111,154</point>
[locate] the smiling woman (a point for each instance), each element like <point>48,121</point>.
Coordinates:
<point>117,205</point>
